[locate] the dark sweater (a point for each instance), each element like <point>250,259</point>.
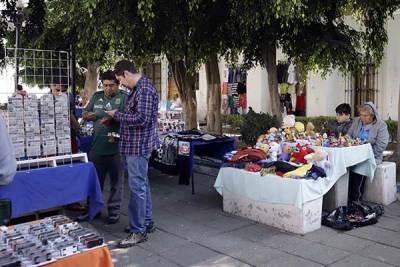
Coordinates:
<point>337,129</point>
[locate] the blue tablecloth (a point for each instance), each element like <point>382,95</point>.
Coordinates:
<point>214,148</point>
<point>275,189</point>
<point>51,187</point>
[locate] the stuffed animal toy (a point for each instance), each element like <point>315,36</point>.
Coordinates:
<point>289,135</point>
<point>300,153</point>
<point>261,138</point>
<point>263,147</point>
<point>319,158</point>
<point>299,172</point>
<point>288,121</point>
<point>310,129</point>
<point>299,126</point>
<point>273,151</point>
<point>286,152</point>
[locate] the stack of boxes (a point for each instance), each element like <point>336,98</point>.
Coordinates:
<point>32,128</point>
<point>33,135</point>
<point>63,132</point>
<point>16,124</point>
<point>47,125</point>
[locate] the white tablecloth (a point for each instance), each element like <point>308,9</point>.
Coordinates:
<point>275,189</point>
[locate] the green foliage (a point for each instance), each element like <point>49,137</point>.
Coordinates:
<point>320,122</point>
<point>234,120</point>
<point>315,34</point>
<point>392,128</point>
<point>255,124</point>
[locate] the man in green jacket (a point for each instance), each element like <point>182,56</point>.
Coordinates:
<point>104,152</point>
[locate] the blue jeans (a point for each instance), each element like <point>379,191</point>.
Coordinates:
<point>140,206</point>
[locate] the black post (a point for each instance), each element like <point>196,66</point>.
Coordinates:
<point>73,69</point>
<point>18,24</point>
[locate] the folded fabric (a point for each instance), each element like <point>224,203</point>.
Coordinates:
<point>249,154</point>
<point>208,137</point>
<point>301,171</point>
<point>252,167</point>
<point>281,166</point>
<point>269,170</point>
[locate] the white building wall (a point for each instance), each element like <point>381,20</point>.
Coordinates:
<point>257,90</point>
<point>389,72</point>
<point>324,94</point>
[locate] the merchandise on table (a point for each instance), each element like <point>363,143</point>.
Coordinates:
<point>47,125</point>
<point>44,241</point>
<point>63,132</point>
<point>170,121</point>
<point>16,124</point>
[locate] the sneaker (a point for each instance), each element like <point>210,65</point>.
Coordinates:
<point>113,220</point>
<point>132,239</point>
<point>150,228</point>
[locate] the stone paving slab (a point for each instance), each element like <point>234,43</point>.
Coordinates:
<point>192,230</point>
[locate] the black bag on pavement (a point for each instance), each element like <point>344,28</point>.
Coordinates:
<point>357,214</point>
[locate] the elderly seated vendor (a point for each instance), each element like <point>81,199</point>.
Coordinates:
<point>371,128</point>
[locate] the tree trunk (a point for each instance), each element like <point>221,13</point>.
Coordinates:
<point>214,124</point>
<point>270,62</point>
<point>91,77</point>
<point>187,91</point>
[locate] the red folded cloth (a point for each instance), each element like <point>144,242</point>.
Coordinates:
<point>252,167</point>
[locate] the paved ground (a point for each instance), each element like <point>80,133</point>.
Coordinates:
<point>192,230</point>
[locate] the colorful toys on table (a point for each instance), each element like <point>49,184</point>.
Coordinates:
<point>300,153</point>
<point>319,158</point>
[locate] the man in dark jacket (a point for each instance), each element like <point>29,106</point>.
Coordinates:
<point>343,121</point>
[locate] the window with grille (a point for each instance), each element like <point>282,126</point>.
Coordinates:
<point>362,86</point>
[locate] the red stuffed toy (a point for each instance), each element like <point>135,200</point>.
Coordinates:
<point>300,152</point>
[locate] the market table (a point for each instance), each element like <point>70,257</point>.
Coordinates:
<point>216,148</point>
<point>98,257</point>
<point>44,188</point>
<point>245,193</point>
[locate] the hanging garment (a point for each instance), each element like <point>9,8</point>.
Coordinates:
<point>292,79</point>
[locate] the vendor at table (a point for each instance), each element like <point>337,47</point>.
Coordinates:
<point>371,128</point>
<point>104,152</point>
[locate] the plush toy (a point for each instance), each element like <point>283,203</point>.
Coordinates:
<point>286,152</point>
<point>319,158</point>
<point>263,147</point>
<point>299,126</point>
<point>261,138</point>
<point>299,172</point>
<point>289,135</point>
<point>273,130</point>
<point>273,151</point>
<point>310,129</point>
<point>288,121</point>
<point>300,153</point>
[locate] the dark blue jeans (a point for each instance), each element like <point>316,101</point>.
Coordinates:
<point>140,205</point>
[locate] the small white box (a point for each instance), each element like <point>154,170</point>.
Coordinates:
<point>383,188</point>
<point>282,216</point>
